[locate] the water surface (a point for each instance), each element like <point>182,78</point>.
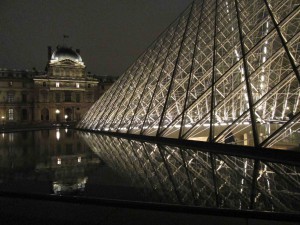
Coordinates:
<point>67,162</point>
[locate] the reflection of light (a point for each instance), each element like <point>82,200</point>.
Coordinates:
<point>57,111</point>
<point>66,130</point>
<point>220,166</point>
<point>56,188</point>
<point>61,187</point>
<point>57,134</point>
<point>3,135</point>
<point>237,54</point>
<point>242,71</point>
<point>11,137</point>
<point>58,161</point>
<point>79,159</point>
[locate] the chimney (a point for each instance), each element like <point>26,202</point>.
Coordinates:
<point>49,52</point>
<point>78,51</point>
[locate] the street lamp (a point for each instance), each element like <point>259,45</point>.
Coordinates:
<point>66,117</point>
<point>57,111</point>
<point>2,118</point>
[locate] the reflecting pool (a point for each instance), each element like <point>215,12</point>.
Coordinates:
<point>68,162</point>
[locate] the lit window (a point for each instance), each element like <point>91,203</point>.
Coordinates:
<point>77,85</point>
<point>58,161</point>
<point>57,84</point>
<point>10,114</point>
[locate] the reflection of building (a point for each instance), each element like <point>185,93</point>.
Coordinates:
<point>67,157</point>
<point>57,157</point>
<point>62,94</point>
<point>224,71</point>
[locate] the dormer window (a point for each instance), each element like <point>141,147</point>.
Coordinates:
<point>57,84</point>
<point>77,85</point>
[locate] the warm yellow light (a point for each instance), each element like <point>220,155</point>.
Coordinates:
<point>57,111</point>
<point>57,134</point>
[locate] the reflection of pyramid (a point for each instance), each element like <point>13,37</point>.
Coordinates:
<point>224,71</point>
<point>176,175</point>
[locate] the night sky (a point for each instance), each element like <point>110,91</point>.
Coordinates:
<point>111,34</point>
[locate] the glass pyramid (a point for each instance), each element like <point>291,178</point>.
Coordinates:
<point>223,71</point>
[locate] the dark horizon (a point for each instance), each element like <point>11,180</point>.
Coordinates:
<point>110,34</point>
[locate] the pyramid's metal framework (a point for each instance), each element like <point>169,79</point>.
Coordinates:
<point>223,71</point>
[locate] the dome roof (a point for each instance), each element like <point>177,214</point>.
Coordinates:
<point>62,53</point>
